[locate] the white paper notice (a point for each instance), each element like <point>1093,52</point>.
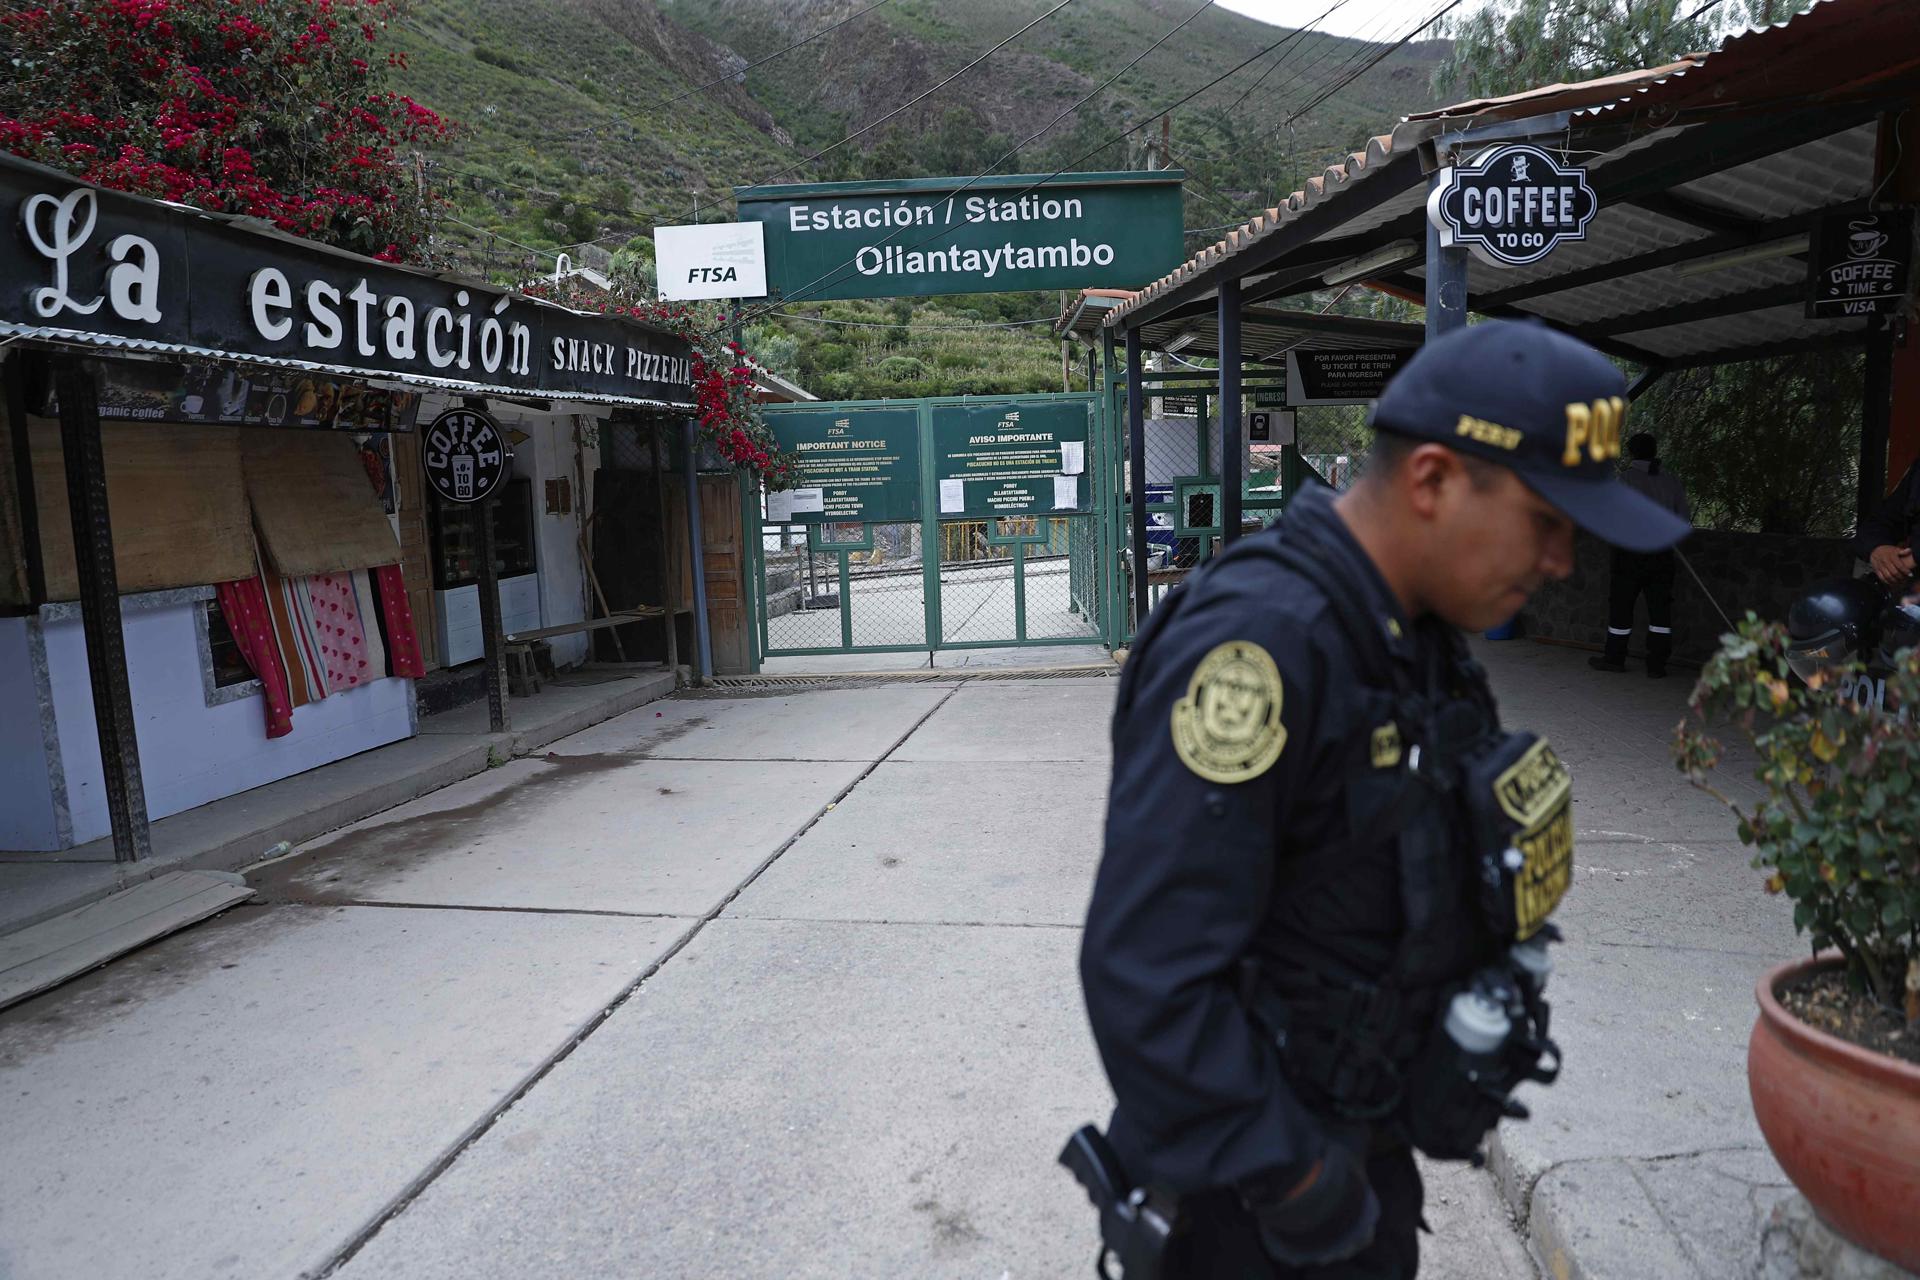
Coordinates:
<point>953,496</point>
<point>786,503</point>
<point>1066,492</point>
<point>1073,457</point>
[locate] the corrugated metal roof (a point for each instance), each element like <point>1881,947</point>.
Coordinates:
<point>1835,51</point>
<point>1266,332</point>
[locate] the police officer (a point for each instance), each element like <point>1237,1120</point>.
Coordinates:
<point>1889,539</point>
<point>1299,961</point>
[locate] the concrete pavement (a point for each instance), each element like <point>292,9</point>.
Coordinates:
<point>781,984</point>
<point>768,985</point>
<point>1644,1160</point>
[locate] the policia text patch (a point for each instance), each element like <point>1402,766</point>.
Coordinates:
<point>1227,728</point>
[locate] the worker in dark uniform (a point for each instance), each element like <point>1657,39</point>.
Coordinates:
<point>1317,937</point>
<point>1889,539</point>
<point>1633,574</point>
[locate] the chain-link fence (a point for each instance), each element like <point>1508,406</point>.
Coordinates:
<point>848,586</point>
<point>1182,465</point>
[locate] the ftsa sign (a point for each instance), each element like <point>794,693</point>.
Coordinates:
<point>712,260</point>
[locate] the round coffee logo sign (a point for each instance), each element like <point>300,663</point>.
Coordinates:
<point>466,457</point>
<point>1511,205</point>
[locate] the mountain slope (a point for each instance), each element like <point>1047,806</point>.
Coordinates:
<point>579,133</point>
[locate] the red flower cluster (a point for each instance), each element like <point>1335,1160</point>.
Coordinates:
<point>257,107</point>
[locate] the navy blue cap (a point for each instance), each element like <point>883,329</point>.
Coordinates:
<point>1546,405</point>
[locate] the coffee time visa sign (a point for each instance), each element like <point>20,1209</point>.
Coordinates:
<point>929,236</point>
<point>1511,205</point>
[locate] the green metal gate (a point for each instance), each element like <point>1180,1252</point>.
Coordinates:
<point>948,523</point>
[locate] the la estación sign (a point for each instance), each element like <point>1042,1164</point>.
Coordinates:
<point>96,267</point>
<point>1511,205</point>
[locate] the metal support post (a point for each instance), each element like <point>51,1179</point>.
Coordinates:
<point>100,607</point>
<point>703,638</point>
<point>1232,425</point>
<point>28,502</point>
<point>1446,282</point>
<point>1137,478</point>
<point>493,643</point>
<point>1876,417</point>
<point>669,589</point>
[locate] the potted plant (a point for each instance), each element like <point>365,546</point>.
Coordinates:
<point>1833,1064</point>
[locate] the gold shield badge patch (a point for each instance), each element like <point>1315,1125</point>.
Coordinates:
<point>1227,728</point>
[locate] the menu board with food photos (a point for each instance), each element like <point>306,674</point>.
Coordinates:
<point>208,392</point>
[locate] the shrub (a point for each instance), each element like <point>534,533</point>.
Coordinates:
<point>1839,826</point>
<point>277,109</point>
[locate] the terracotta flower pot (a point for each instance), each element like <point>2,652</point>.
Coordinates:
<point>1842,1121</point>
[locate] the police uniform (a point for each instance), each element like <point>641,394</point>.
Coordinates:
<point>1895,522</point>
<point>1294,882</point>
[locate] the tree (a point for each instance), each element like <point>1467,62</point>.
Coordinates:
<point>1767,445</point>
<point>1510,45</point>
<point>278,109</point>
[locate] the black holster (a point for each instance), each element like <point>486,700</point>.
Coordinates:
<point>1135,1224</point>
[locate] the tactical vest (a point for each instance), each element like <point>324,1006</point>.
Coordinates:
<point>1422,766</point>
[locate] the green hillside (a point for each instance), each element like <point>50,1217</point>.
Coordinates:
<point>577,129</point>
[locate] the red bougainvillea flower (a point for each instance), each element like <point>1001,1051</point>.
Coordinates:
<point>261,107</point>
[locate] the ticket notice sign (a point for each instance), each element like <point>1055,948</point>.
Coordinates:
<point>1340,377</point>
<point>1018,459</point>
<point>864,464</point>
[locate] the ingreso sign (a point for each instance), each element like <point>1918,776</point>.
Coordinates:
<point>929,236</point>
<point>1511,205</point>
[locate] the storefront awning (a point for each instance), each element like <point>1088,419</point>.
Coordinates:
<point>100,269</point>
<point>1710,172</point>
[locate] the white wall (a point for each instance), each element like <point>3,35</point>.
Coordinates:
<point>26,790</point>
<point>191,753</point>
<point>563,579</point>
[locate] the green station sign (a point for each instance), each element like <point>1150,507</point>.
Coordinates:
<point>927,236</point>
<point>855,464</point>
<point>1010,459</point>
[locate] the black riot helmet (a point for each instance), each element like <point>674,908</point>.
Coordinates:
<point>1899,630</point>
<point>1834,622</point>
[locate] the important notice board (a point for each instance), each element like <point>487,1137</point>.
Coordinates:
<point>855,464</point>
<point>1011,460</point>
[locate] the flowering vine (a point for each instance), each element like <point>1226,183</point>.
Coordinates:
<point>726,410</point>
<point>276,109</point>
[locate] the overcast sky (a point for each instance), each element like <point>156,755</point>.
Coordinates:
<point>1373,19</point>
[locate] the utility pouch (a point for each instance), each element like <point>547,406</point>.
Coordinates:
<point>1455,1097</point>
<point>1520,804</point>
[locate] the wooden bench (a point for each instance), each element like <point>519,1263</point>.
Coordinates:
<point>523,673</point>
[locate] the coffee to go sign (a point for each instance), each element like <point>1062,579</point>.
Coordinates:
<point>1511,205</point>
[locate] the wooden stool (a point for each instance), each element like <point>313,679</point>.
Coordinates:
<point>523,673</point>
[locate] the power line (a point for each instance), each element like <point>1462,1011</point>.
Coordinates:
<point>702,88</point>
<point>1374,61</point>
<point>915,328</point>
<point>917,98</point>
<point>1341,54</point>
<point>1275,64</point>
<point>1146,120</point>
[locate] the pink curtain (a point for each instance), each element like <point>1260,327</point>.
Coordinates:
<point>244,605</point>
<point>403,642</point>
